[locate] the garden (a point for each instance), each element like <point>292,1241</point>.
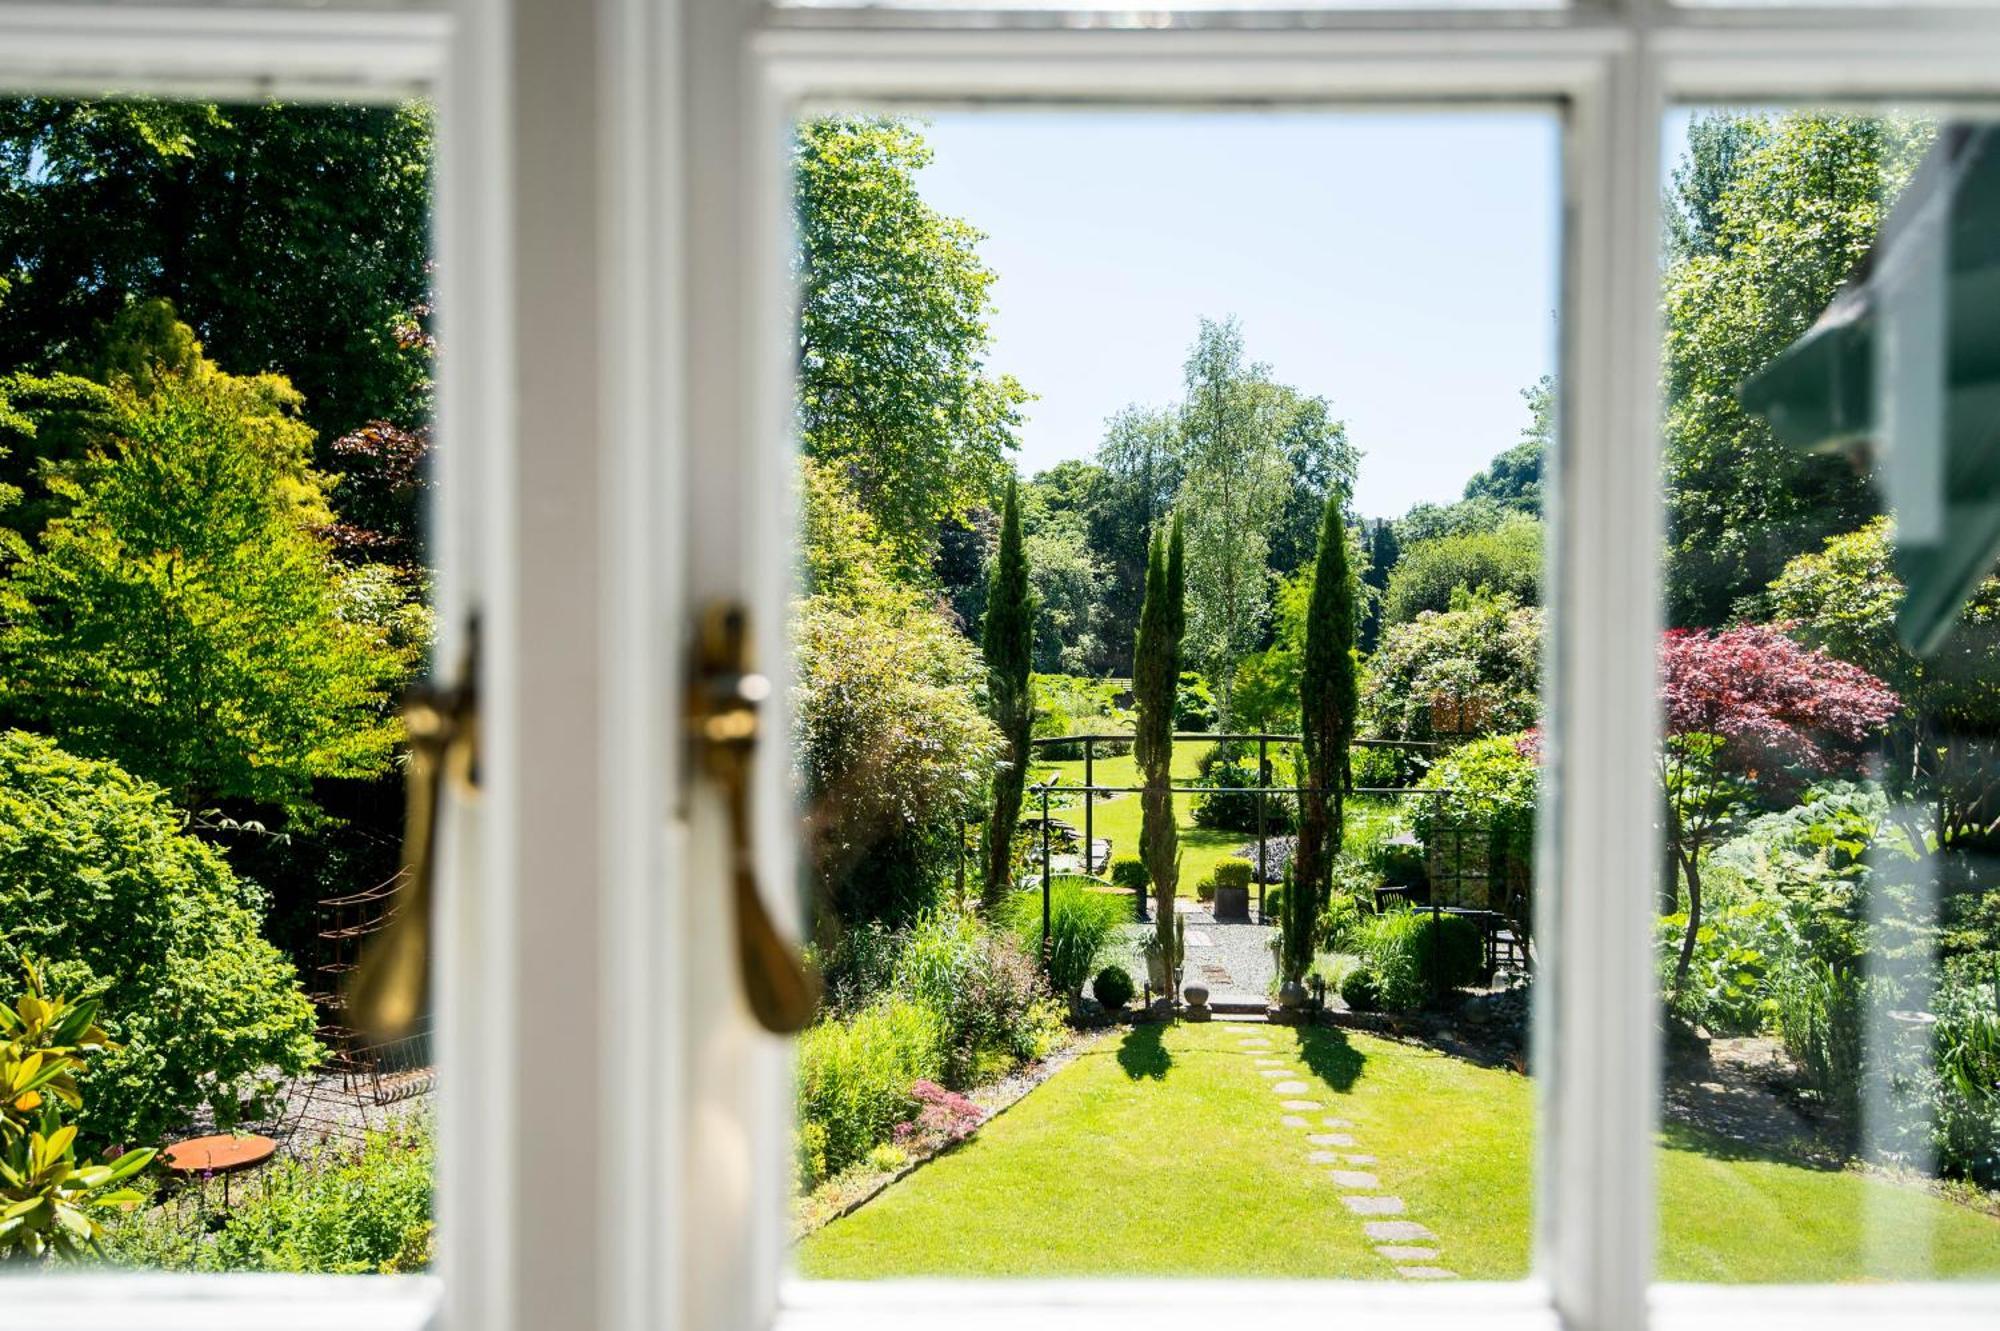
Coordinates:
<point>1309,739</point>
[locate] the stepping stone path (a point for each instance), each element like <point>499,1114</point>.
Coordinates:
<point>1409,1247</point>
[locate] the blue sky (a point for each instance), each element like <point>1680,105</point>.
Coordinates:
<point>1402,265</point>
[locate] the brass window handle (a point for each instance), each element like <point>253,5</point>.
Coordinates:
<point>390,984</point>
<point>723,725</point>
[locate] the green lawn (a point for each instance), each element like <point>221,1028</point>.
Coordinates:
<point>1160,1152</point>
<point>1118,817</point>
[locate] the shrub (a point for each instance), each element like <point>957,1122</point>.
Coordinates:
<point>1194,704</point>
<point>938,1118</point>
<point>980,983</point>
<point>1820,1019</point>
<point>1340,922</point>
<point>1082,920</point>
<point>854,1079</point>
<point>1413,959</point>
<point>1468,671</point>
<point>892,748</point>
<point>1361,990</point>
<point>1482,825</point>
<point>1234,872</point>
<point>1113,987</point>
<point>1129,872</point>
<point>49,1199</point>
<point>113,901</point>
<point>1506,561</point>
<point>1205,889</point>
<point>1233,806</point>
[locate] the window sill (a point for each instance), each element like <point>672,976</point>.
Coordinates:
<point>1160,1305</point>
<point>222,1302</point>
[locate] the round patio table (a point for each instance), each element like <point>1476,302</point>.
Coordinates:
<point>224,1153</point>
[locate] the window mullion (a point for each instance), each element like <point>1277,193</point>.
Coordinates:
<point>1596,1152</point>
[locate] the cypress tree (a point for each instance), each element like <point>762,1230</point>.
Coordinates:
<point>1155,682</point>
<point>1329,697</point>
<point>1009,646</point>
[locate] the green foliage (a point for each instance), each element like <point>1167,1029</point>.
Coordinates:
<point>1233,872</point>
<point>982,984</point>
<point>50,1200</point>
<point>182,617</point>
<point>1129,872</point>
<point>1514,478</point>
<point>1505,561</point>
<point>342,1209</point>
<point>1194,704</point>
<point>1156,673</point>
<point>1361,989</point>
<point>1329,707</point>
<point>1472,670</point>
<point>1113,987</point>
<point>1233,490</point>
<point>1340,920</point>
<point>893,310</point>
<point>1075,705</point>
<point>854,1078</point>
<point>99,883</point>
<point>1414,959</point>
<point>1482,823</point>
<point>1140,464</point>
<point>1009,646</point>
<point>1774,217</point>
<point>286,235</point>
<point>1083,918</point>
<point>891,743</point>
<point>1068,575</point>
<point>1232,806</point>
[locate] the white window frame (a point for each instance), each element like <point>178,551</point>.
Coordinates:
<point>615,422</point>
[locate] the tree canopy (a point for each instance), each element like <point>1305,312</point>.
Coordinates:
<point>893,309</point>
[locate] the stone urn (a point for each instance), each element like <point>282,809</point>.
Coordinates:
<point>1291,995</point>
<point>1196,995</point>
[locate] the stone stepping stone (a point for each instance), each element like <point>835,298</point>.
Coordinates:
<point>1291,1088</point>
<point>1270,1062</point>
<point>1359,1159</point>
<point>1353,1178</point>
<point>1335,1123</point>
<point>1425,1273</point>
<point>1373,1205</point>
<point>1328,1138</point>
<point>1322,1158</point>
<point>1293,1121</point>
<point>1397,1231</point>
<point>1272,1072</point>
<point>1403,1252</point>
<point>1296,1106</point>
<point>1253,1041</point>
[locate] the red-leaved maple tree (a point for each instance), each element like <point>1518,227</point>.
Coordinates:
<point>1748,705</point>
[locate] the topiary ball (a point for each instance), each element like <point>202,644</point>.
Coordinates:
<point>1113,987</point>
<point>1361,990</point>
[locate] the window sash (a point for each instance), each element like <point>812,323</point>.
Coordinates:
<point>615,409</point>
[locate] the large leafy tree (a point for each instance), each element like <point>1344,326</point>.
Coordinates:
<point>893,386</point>
<point>1232,492</point>
<point>1468,671</point>
<point>291,238</point>
<point>1009,646</point>
<point>1068,576</point>
<point>1771,219</point>
<point>1514,478</point>
<point>1140,459</point>
<point>184,617</point>
<point>1843,599</point>
<point>1329,699</point>
<point>1505,561</point>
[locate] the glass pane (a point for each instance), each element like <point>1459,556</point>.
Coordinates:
<point>1144,446</point>
<point>215,404</point>
<point>1829,941</point>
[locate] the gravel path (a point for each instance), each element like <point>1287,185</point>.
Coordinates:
<point>1233,960</point>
